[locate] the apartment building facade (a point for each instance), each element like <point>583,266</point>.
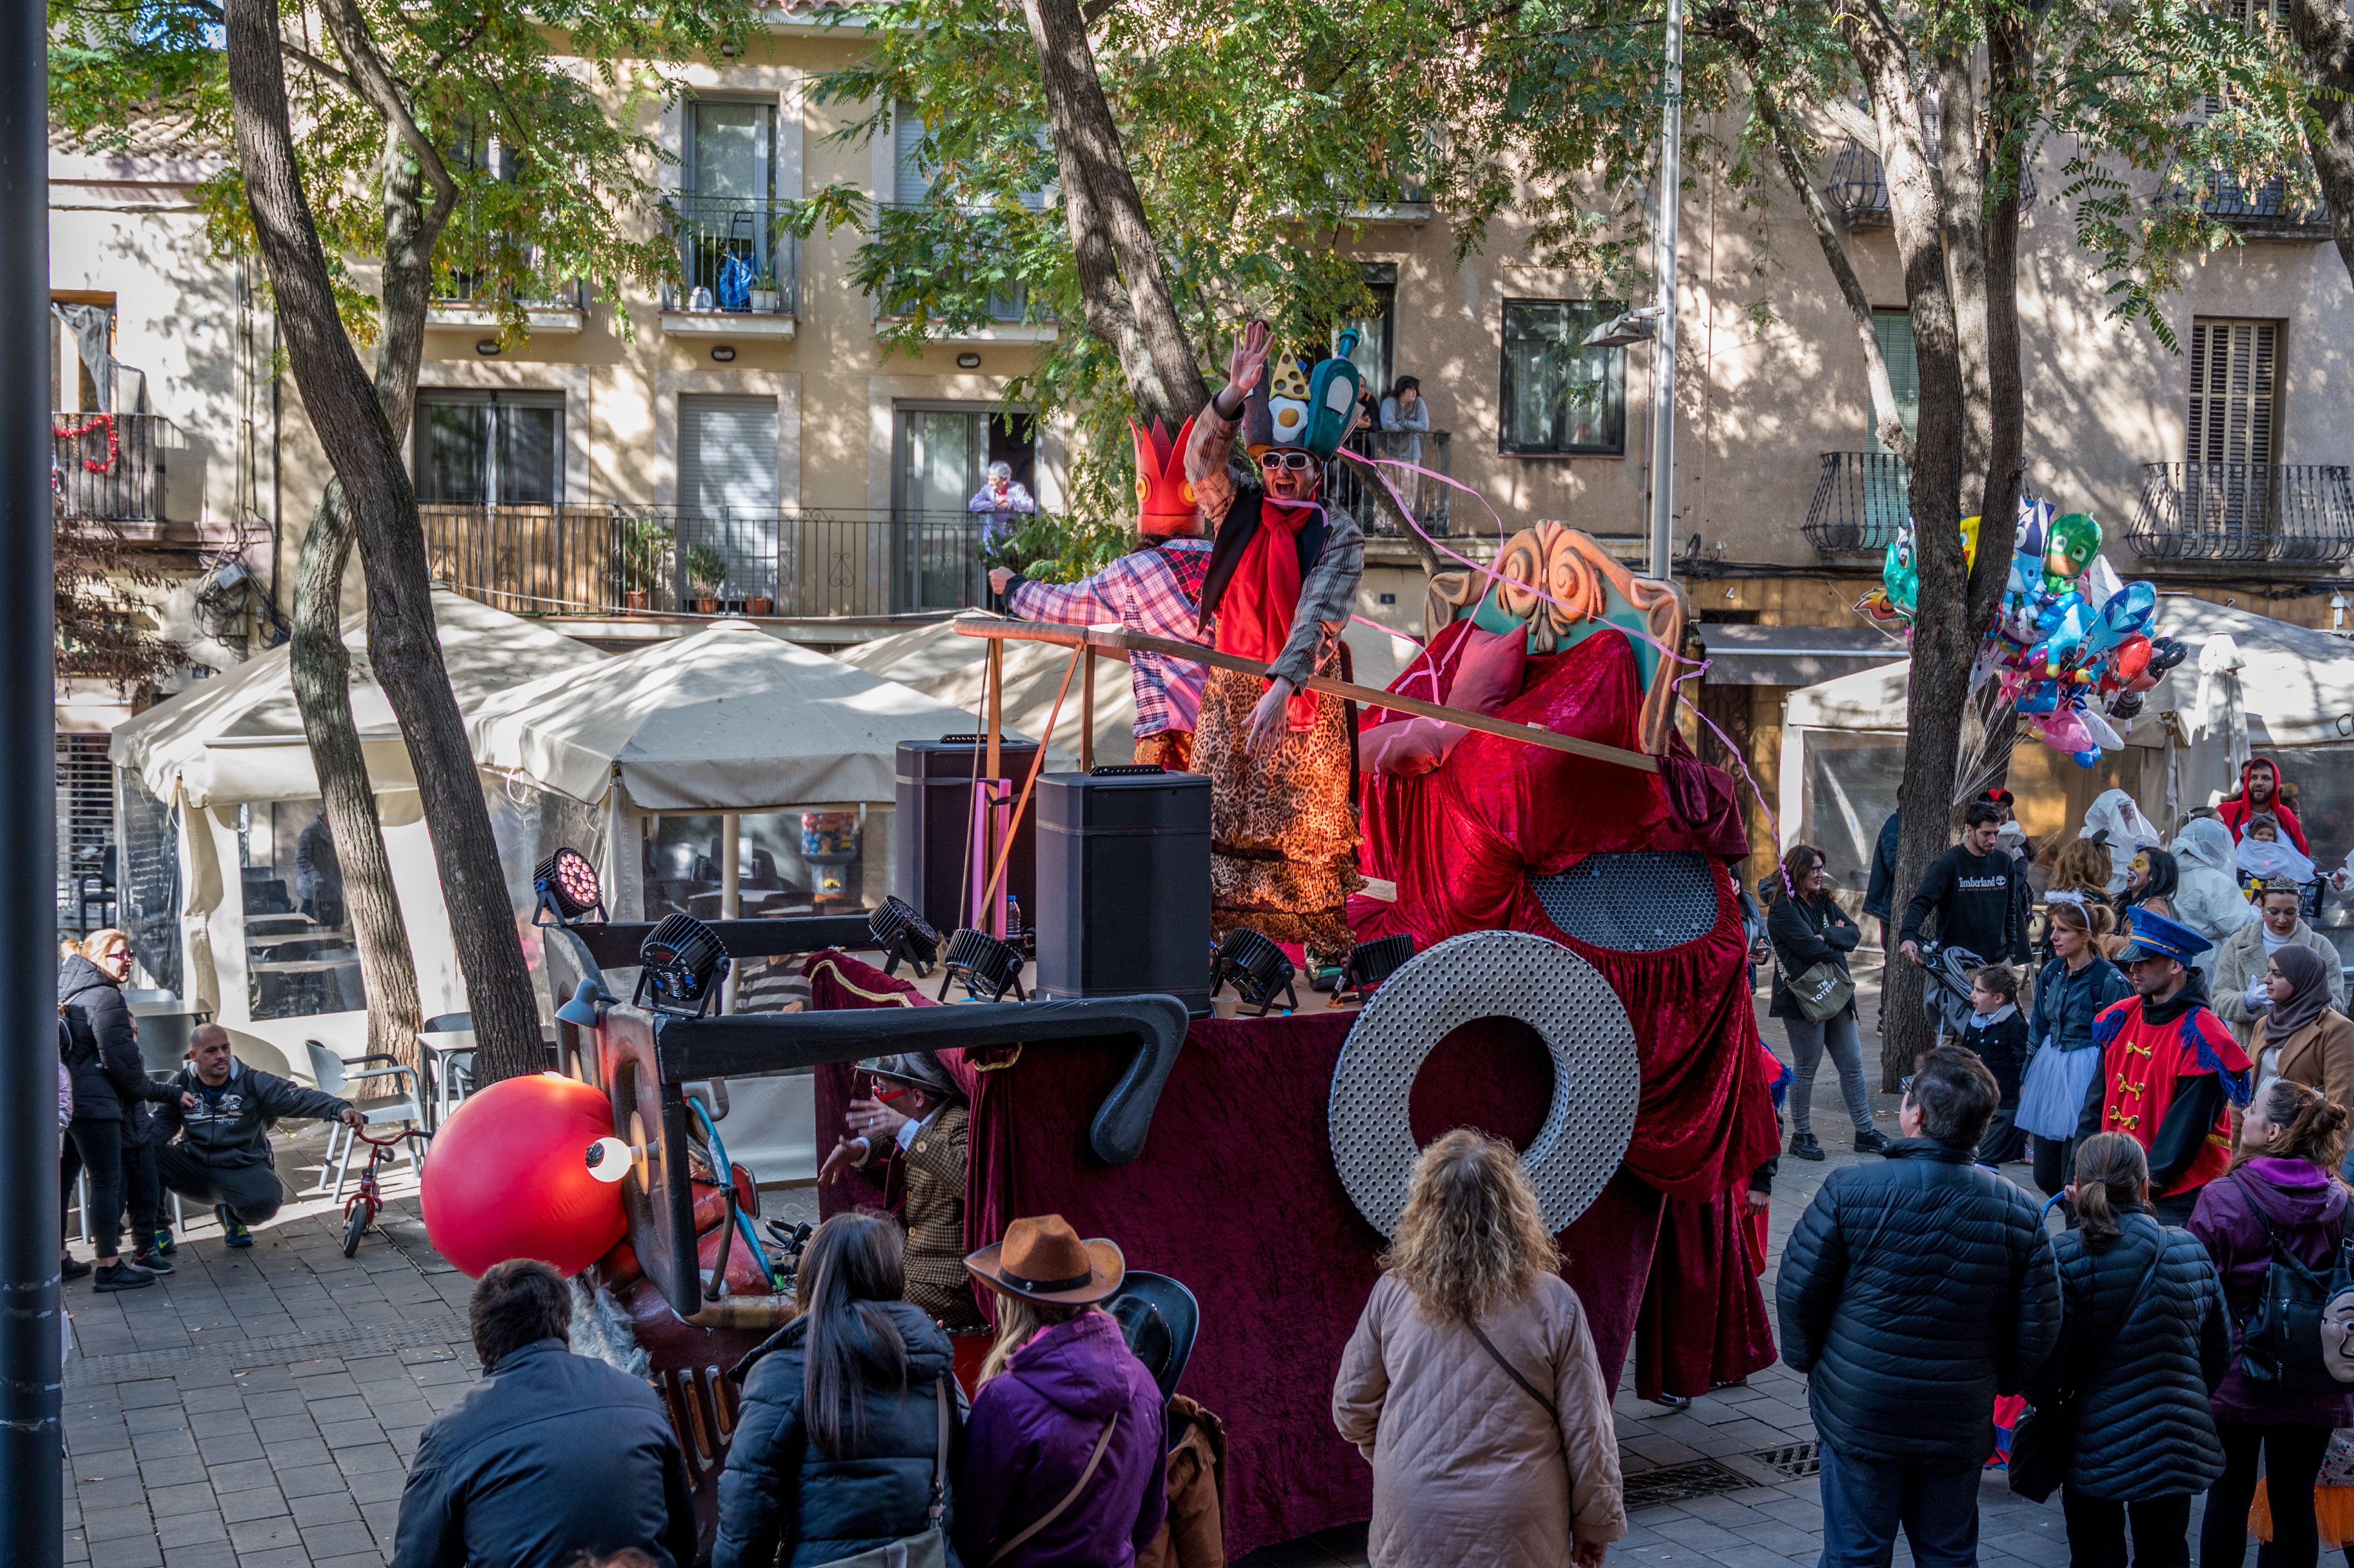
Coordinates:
<point>747,442</point>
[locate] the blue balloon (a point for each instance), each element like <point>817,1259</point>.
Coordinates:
<point>2086,758</point>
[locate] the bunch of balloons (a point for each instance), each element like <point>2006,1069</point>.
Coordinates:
<point>2069,647</point>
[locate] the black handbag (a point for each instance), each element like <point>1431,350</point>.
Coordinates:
<point>2043,1443</point>
<point>2281,1342</point>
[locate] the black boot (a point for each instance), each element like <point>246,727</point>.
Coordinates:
<point>1805,1146</point>
<point>1869,1142</point>
<point>121,1276</point>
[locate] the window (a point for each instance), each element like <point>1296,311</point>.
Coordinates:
<point>1894,331</point>
<point>85,834</point>
<point>944,453</point>
<point>2232,367</point>
<point>732,149</point>
<point>476,449</point>
<point>1561,397</point>
<point>911,182</point>
<point>1377,348</point>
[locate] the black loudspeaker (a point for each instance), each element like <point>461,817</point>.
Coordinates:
<point>1124,886</point>
<point>935,816</point>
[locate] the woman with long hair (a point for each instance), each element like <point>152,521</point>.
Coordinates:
<point>2142,1343</point>
<point>838,1449</point>
<point>2152,877</point>
<point>2281,1192</point>
<point>2064,1060</point>
<point>1472,1314</point>
<point>110,1122</point>
<point>2080,874</point>
<point>1808,928</point>
<point>1065,1461</point>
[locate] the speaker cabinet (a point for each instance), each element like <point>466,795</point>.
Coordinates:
<point>1124,886</point>
<point>934,795</point>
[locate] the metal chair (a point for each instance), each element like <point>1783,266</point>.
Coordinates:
<point>335,1076</point>
<point>453,1073</point>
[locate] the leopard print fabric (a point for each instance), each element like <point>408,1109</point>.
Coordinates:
<point>1283,829</point>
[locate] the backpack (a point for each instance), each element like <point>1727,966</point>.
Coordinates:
<point>2281,1343</point>
<point>77,1041</point>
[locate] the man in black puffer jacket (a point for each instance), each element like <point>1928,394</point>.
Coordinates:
<point>1913,1291</point>
<point>222,1111</point>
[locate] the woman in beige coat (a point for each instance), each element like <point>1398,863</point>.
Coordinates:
<point>1471,1383</point>
<point>2302,1037</point>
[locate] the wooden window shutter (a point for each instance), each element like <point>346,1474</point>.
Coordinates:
<point>2232,376</point>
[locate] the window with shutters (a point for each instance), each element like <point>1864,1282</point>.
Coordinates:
<point>1887,483</point>
<point>85,824</point>
<point>2232,366</point>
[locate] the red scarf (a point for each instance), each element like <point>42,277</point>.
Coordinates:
<point>1256,610</point>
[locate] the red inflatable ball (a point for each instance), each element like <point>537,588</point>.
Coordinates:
<point>507,1176</point>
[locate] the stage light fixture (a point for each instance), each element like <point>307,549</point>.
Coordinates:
<point>986,966</point>
<point>1258,968</point>
<point>902,933</point>
<point>685,966</point>
<point>585,1009</point>
<point>568,890</point>
<point>1370,963</point>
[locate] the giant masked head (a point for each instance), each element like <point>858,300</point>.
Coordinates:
<point>1298,415</point>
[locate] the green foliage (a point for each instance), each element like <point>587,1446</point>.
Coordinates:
<point>706,570</point>
<point>571,194</point>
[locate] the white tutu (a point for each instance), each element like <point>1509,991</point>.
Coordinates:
<point>2052,1097</point>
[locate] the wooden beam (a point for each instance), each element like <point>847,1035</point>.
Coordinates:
<point>1114,638</point>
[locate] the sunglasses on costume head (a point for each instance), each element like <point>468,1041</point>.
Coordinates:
<point>1296,461</point>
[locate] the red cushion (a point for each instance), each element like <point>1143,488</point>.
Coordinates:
<point>1488,673</point>
<point>1405,747</point>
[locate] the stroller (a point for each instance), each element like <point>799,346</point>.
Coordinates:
<point>1946,994</point>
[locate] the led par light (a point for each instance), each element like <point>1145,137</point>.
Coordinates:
<point>1257,967</point>
<point>902,933</point>
<point>684,965</point>
<point>568,889</point>
<point>985,964</point>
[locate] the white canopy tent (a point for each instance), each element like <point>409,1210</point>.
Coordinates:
<point>2247,681</point>
<point>721,739</point>
<point>214,787</point>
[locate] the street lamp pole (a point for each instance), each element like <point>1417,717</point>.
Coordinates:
<point>32,1444</point>
<point>1668,198</point>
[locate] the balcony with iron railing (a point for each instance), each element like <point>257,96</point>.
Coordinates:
<point>2289,514</point>
<point>466,292</point>
<point>1857,188</point>
<point>110,466</point>
<point>1349,488</point>
<point>2265,211</point>
<point>740,265</point>
<point>1860,501</point>
<point>799,563</point>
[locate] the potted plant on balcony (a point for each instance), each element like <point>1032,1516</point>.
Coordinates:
<point>707,574</point>
<point>645,547</point>
<point>760,604</point>
<point>767,298</point>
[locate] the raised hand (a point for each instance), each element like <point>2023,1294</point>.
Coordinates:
<point>1247,363</point>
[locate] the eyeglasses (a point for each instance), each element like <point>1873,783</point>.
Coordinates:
<point>1298,462</point>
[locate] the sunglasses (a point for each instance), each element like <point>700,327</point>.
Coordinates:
<point>1298,462</point>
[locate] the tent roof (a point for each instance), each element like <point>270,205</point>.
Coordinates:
<point>730,719</point>
<point>239,737</point>
<point>944,663</point>
<point>2298,681</point>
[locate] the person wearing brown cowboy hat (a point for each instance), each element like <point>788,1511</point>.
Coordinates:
<point>1064,1449</point>
<point>915,1117</point>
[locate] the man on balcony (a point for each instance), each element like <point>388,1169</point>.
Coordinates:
<point>1155,589</point>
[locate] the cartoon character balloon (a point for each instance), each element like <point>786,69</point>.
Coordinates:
<point>2069,645</point>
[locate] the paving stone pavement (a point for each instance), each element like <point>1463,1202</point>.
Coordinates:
<point>258,1408</point>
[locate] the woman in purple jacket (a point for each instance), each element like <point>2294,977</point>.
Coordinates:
<point>2280,1185</point>
<point>1062,1451</point>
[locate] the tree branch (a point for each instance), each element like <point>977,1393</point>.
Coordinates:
<point>1887,422</point>
<point>373,80</point>
<point>292,51</point>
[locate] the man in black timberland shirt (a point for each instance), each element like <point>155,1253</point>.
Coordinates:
<point>1969,887</point>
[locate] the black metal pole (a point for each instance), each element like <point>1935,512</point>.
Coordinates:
<point>32,1443</point>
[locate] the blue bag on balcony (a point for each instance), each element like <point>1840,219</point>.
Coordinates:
<point>736,284</point>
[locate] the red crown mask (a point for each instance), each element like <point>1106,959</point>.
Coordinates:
<point>1164,497</point>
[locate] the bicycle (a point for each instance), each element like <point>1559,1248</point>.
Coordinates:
<point>361,1210</point>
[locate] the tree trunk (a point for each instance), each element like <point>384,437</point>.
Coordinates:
<point>321,666</point>
<point>1108,214</point>
<point>1944,642</point>
<point>2010,56</point>
<point>403,643</point>
<point>2326,33</point>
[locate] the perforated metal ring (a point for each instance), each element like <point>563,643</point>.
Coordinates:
<point>1596,1071</point>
